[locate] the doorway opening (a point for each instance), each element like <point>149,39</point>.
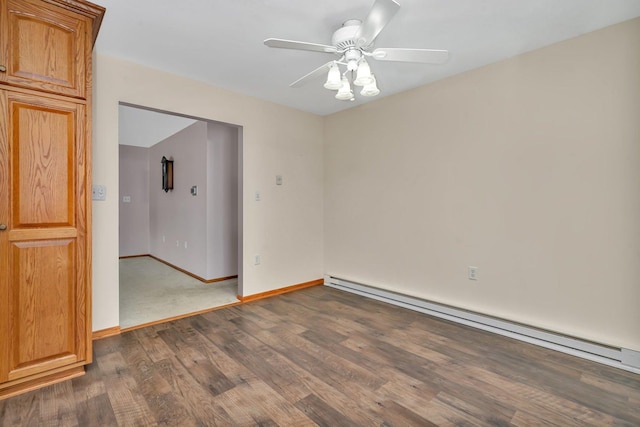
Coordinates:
<point>179,245</point>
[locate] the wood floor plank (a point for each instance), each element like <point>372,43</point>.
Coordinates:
<point>57,405</point>
<point>291,380</point>
<point>188,347</point>
<point>21,410</point>
<point>334,370</point>
<point>89,385</point>
<point>397,415</point>
<point>154,345</point>
<point>153,386</point>
<point>321,413</point>
<point>319,356</point>
<point>261,404</point>
<point>96,411</point>
<point>537,401</point>
<point>129,406</point>
<point>191,395</point>
<point>535,373</point>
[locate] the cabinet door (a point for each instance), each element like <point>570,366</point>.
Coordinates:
<point>43,47</point>
<point>43,250</point>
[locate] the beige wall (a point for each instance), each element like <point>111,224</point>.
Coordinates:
<point>285,228</point>
<point>528,169</point>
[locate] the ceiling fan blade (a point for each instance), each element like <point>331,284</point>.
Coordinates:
<point>312,75</point>
<point>379,16</point>
<point>291,44</point>
<point>426,56</point>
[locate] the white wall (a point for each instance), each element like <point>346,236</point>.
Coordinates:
<point>528,169</point>
<point>222,201</point>
<point>134,215</point>
<point>176,217</point>
<point>285,228</point>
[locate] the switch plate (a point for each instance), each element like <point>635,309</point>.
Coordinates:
<point>473,273</point>
<point>278,179</point>
<point>99,192</point>
<point>257,196</point>
<point>256,260</point>
<point>194,190</point>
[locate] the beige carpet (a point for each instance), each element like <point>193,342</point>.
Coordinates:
<point>152,291</point>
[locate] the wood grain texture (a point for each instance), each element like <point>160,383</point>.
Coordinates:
<point>45,47</point>
<point>44,322</point>
<point>319,356</point>
<point>279,291</point>
<point>44,137</point>
<point>188,273</point>
<point>45,170</point>
<point>104,333</point>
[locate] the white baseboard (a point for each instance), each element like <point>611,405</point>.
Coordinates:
<point>621,358</point>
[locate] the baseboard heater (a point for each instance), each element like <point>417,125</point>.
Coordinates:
<point>621,358</point>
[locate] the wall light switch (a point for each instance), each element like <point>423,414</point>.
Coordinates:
<point>99,192</point>
<point>278,179</point>
<point>194,190</point>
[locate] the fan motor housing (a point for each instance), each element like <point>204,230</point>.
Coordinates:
<point>344,37</point>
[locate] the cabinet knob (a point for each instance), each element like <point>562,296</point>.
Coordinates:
<point>3,227</point>
<point>3,68</point>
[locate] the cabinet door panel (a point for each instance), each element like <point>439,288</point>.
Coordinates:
<point>44,292</point>
<point>43,169</point>
<point>45,47</point>
<point>43,313</point>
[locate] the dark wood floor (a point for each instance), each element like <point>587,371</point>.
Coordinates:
<point>322,356</point>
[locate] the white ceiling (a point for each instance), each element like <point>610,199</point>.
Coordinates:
<point>144,128</point>
<point>221,41</point>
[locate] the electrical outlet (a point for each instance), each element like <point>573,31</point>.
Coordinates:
<point>473,273</point>
<point>256,260</point>
<point>185,244</point>
<point>177,243</point>
<point>257,196</point>
<point>278,179</point>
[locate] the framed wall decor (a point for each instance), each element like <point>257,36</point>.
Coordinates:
<point>167,174</point>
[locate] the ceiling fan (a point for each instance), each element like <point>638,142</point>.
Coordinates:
<point>353,43</point>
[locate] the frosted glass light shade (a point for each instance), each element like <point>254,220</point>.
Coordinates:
<point>344,93</point>
<point>333,78</point>
<point>363,76</point>
<point>370,89</point>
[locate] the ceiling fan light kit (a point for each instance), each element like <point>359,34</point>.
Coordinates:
<point>363,76</point>
<point>370,89</point>
<point>352,42</point>
<point>334,81</point>
<point>345,93</point>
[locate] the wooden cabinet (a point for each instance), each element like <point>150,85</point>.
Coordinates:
<point>44,47</point>
<point>45,220</point>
